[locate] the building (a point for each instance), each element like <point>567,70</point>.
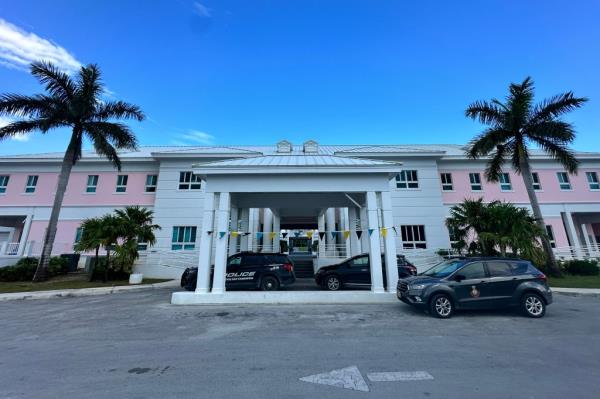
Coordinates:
<point>398,195</point>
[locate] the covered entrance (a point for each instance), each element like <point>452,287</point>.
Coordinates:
<point>315,207</point>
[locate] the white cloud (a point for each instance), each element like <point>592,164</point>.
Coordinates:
<point>19,137</point>
<point>193,137</point>
<point>19,48</point>
<point>201,10</point>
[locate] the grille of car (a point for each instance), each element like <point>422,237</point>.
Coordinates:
<point>402,286</point>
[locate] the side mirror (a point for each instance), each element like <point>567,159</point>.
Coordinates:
<point>459,277</point>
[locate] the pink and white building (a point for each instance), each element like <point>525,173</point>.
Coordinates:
<point>194,191</point>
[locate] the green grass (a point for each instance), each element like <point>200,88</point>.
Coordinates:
<point>569,281</point>
<point>65,282</point>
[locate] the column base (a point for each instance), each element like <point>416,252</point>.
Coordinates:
<point>217,291</point>
<point>201,291</point>
<point>378,290</point>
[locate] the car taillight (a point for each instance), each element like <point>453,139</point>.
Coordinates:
<point>288,267</point>
<point>543,277</point>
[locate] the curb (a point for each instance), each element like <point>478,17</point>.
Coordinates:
<point>79,292</point>
<point>592,292</point>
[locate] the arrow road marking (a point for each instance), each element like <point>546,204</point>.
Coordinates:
<point>349,378</point>
<point>399,376</point>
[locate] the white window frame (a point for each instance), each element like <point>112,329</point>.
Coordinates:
<point>4,179</point>
<point>446,180</point>
<point>477,183</point>
<point>121,186</point>
<point>151,186</point>
<point>31,184</point>
<point>413,236</point>
<point>551,237</point>
<point>188,181</point>
<point>593,183</point>
<point>505,183</point>
<point>181,243</point>
<point>564,184</point>
<point>537,185</point>
<point>91,188</point>
<point>407,179</point>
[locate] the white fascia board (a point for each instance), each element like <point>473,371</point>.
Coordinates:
<point>435,154</point>
<point>294,170</point>
<point>164,155</point>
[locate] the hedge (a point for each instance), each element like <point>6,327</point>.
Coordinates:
<point>24,269</point>
<point>581,267</point>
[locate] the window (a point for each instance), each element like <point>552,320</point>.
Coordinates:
<point>31,183</point>
<point>360,262</point>
<point>446,181</point>
<point>475,180</point>
<point>473,271</point>
<point>505,184</point>
<point>92,183</point>
<point>550,233</point>
<point>563,180</point>
<point>3,183</point>
<point>236,260</point>
<point>122,183</point>
<point>592,178</point>
<point>184,238</point>
<point>253,260</point>
<point>536,181</point>
<point>407,179</point>
<point>151,181</point>
<point>78,234</point>
<point>189,181</point>
<point>413,236</point>
<point>499,269</point>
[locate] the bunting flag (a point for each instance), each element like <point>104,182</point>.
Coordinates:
<point>370,232</point>
<point>284,234</point>
<point>272,235</point>
<point>259,235</point>
<point>222,234</point>
<point>234,234</point>
<point>346,234</point>
<point>384,232</point>
<point>321,235</point>
<point>395,230</point>
<point>358,234</point>
<point>333,235</point>
<point>209,232</point>
<point>309,234</point>
<point>246,233</point>
<point>296,234</point>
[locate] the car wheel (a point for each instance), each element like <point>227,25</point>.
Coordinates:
<point>332,283</point>
<point>533,305</point>
<point>441,306</point>
<point>269,283</point>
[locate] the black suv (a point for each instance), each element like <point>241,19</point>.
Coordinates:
<point>267,271</point>
<point>356,271</point>
<point>477,283</point>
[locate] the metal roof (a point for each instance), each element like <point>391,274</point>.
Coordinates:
<point>295,160</point>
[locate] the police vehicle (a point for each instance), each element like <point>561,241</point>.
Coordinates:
<point>250,270</point>
<point>477,283</point>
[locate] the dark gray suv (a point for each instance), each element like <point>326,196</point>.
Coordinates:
<point>477,283</point>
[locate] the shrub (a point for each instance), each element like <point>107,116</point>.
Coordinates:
<point>98,273</point>
<point>581,267</point>
<point>24,269</point>
<point>58,265</point>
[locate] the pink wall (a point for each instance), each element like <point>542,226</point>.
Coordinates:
<point>550,193</point>
<point>560,235</point>
<point>65,235</point>
<point>105,192</point>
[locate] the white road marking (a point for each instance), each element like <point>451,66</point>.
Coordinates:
<point>399,376</point>
<point>348,378</point>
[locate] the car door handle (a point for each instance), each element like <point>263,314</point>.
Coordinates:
<point>482,282</point>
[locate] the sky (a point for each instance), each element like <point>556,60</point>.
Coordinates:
<point>234,72</point>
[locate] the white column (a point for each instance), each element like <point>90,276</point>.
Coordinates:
<point>572,233</point>
<point>203,279</point>
<point>277,231</point>
<point>354,242</point>
<point>329,227</point>
<point>245,227</point>
<point>233,241</point>
<point>254,228</point>
<point>345,222</point>
<point>24,235</point>
<point>364,226</point>
<point>391,263</point>
<point>375,244</point>
<point>321,227</point>
<point>267,229</point>
<point>221,247</point>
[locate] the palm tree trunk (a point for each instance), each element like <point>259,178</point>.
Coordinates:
<point>94,263</point>
<point>105,279</point>
<point>41,273</point>
<point>552,266</point>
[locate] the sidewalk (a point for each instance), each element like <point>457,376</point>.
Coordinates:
<point>577,291</point>
<point>13,296</point>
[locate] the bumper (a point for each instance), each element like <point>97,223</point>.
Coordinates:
<point>548,296</point>
<point>287,281</point>
<point>412,297</point>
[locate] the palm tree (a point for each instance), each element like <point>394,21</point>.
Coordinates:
<point>91,239</point>
<point>515,124</point>
<point>138,227</point>
<point>112,228</point>
<point>468,219</point>
<point>72,102</point>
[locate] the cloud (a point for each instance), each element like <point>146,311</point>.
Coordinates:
<point>18,137</point>
<point>201,10</point>
<point>19,48</point>
<point>193,137</point>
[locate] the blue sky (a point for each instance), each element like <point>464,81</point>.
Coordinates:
<point>255,72</point>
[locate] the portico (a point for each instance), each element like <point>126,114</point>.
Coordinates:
<point>287,190</point>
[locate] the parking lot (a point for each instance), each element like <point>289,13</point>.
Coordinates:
<point>137,345</point>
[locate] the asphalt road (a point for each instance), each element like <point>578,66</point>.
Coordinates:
<point>136,345</point>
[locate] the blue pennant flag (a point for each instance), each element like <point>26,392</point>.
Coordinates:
<point>259,235</point>
<point>333,234</point>
<point>371,231</point>
<point>222,234</point>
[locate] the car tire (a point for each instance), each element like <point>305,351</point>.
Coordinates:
<point>441,306</point>
<point>533,305</point>
<point>269,283</point>
<point>332,283</point>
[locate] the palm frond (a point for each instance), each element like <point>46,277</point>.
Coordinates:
<point>494,167</point>
<point>104,148</point>
<point>560,152</point>
<point>556,106</point>
<point>28,126</point>
<point>486,113</point>
<point>117,133</point>
<point>27,106</point>
<point>483,144</point>
<point>89,85</point>
<point>119,110</point>
<point>557,131</point>
<point>519,102</point>
<point>56,82</point>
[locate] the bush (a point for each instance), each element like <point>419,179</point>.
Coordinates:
<point>98,273</point>
<point>58,265</point>
<point>581,267</point>
<point>24,269</point>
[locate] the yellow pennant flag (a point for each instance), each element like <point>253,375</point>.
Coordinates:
<point>272,235</point>
<point>235,234</point>
<point>346,234</point>
<point>384,232</point>
<point>309,234</point>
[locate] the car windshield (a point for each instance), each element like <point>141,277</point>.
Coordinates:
<point>443,269</point>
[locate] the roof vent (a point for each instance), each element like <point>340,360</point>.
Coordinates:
<point>311,147</point>
<point>284,146</point>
